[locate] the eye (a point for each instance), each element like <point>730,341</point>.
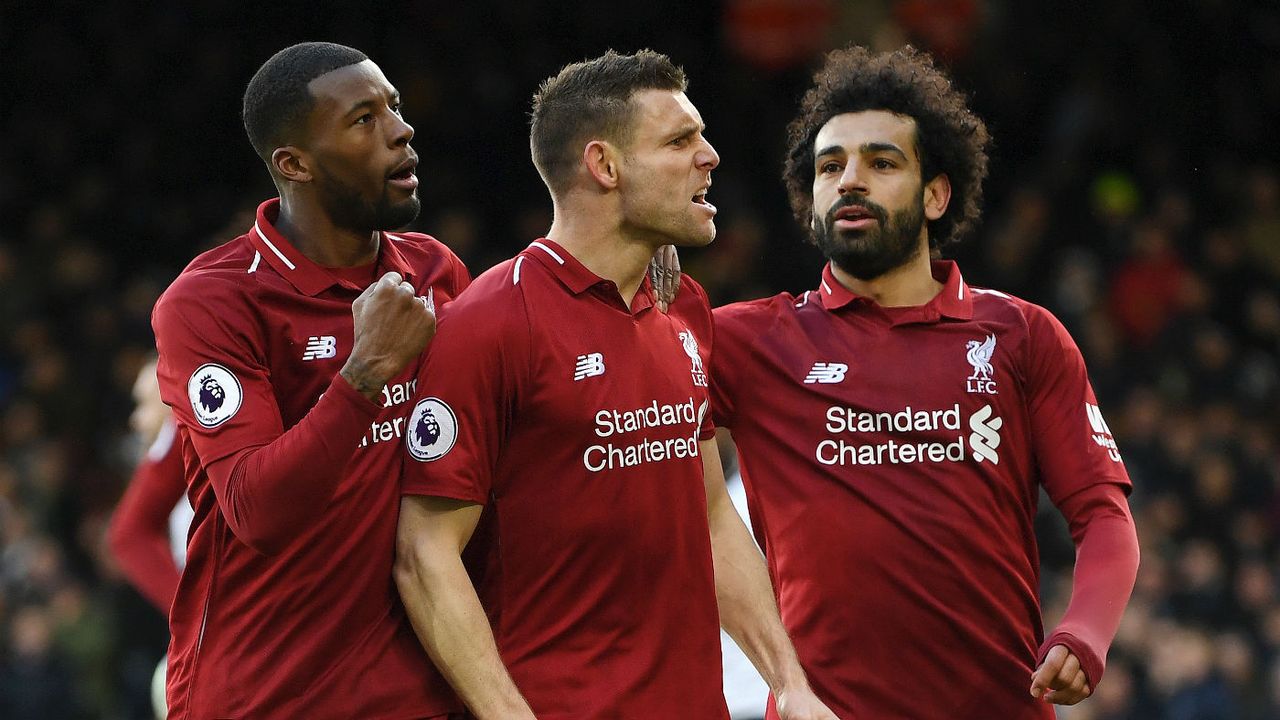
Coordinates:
<point>680,141</point>
<point>396,107</point>
<point>364,119</point>
<point>830,166</point>
<point>883,164</point>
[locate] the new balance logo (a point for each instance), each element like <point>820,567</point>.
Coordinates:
<point>320,347</point>
<point>589,365</point>
<point>986,435</point>
<point>826,373</point>
<point>1101,433</point>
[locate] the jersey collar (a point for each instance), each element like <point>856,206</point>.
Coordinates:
<point>309,278</point>
<point>954,301</point>
<point>578,279</point>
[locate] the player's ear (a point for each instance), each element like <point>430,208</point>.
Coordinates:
<point>291,163</point>
<point>601,161</point>
<point>937,195</point>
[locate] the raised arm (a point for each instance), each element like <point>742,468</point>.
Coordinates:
<point>272,483</point>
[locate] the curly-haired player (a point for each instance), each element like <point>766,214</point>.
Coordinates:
<point>895,426</point>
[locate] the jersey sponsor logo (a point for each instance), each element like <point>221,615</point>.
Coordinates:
<point>940,436</point>
<point>215,394</point>
<point>589,365</point>
<point>432,431</point>
<point>690,345</point>
<point>986,435</point>
<point>979,353</point>
<point>647,419</point>
<point>320,347</point>
<point>1101,432</point>
<point>826,373</point>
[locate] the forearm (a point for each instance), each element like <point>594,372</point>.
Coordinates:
<point>1106,567</point>
<point>451,624</point>
<point>748,611</point>
<point>270,494</point>
<point>139,530</point>
<point>142,551</point>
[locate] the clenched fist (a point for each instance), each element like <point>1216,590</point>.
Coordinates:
<point>392,326</point>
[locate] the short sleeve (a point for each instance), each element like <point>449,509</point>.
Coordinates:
<point>465,400</point>
<point>212,370</point>
<point>1073,446</point>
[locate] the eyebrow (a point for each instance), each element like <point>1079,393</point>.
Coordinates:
<point>687,130</point>
<point>370,102</point>
<point>871,147</point>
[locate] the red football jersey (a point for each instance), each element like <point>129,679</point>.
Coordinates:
<point>892,459</point>
<point>286,607</point>
<point>576,422</point>
<point>139,529</point>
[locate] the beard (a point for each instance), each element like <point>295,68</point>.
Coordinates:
<point>868,254</point>
<point>350,210</point>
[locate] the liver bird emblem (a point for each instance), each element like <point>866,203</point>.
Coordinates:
<point>979,356</point>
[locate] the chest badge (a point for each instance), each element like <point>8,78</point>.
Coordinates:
<point>690,344</point>
<point>979,354</point>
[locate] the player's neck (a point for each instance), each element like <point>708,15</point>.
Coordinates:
<point>603,250</point>
<point>314,235</point>
<point>909,285</point>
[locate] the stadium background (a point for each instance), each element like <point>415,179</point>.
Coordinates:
<point>1134,191</point>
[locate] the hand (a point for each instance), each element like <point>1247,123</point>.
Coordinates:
<point>664,271</point>
<point>801,704</point>
<point>1061,675</point>
<point>392,326</point>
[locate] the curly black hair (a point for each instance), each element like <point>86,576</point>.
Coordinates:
<point>951,140</point>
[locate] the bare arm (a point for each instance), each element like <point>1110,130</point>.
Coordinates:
<point>444,608</point>
<point>745,596</point>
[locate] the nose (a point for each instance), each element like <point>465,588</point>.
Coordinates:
<point>707,158</point>
<point>851,181</point>
<point>402,131</point>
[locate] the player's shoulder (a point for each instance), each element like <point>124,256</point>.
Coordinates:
<point>1035,322</point>
<point>420,248</point>
<point>498,289</point>
<point>994,304</point>
<point>760,310</point>
<point>215,275</point>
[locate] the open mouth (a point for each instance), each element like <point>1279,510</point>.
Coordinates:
<point>855,216</point>
<point>403,175</point>
<point>700,198</point>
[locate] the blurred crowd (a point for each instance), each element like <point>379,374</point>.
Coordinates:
<point>1135,192</point>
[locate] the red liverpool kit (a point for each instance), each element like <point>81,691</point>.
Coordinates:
<point>287,608</point>
<point>139,530</point>
<point>575,420</point>
<point>892,459</point>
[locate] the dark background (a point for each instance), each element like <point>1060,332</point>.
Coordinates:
<point>1133,191</point>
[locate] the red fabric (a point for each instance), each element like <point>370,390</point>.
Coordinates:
<point>597,578</point>
<point>286,607</point>
<point>139,529</point>
<point>893,484</point>
<point>1106,567</point>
